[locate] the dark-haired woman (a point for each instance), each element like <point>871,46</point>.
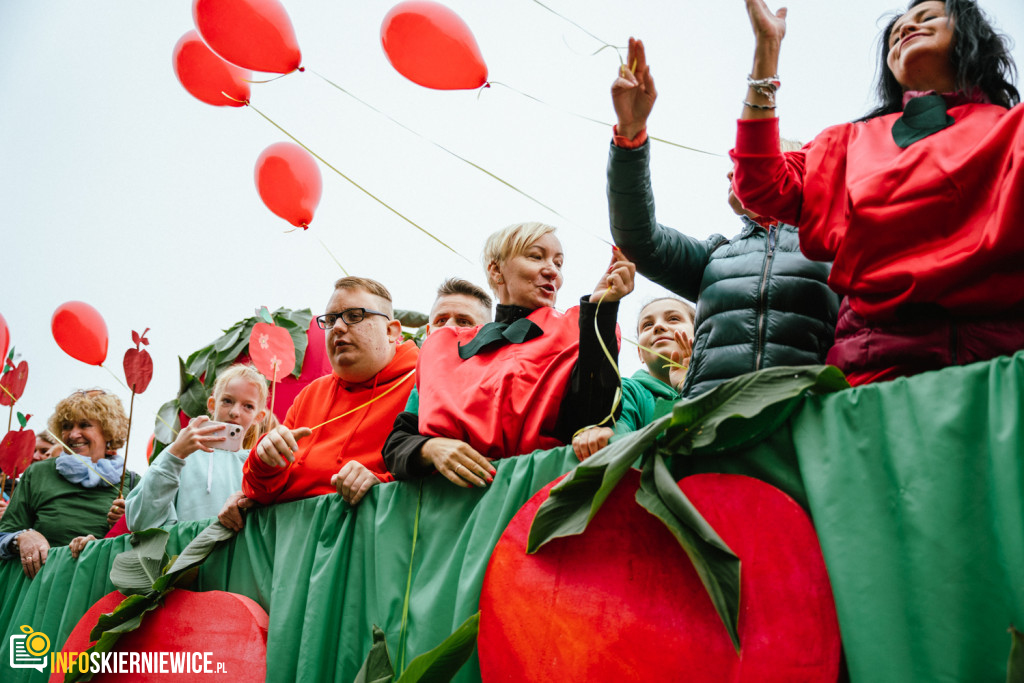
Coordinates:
<point>918,204</point>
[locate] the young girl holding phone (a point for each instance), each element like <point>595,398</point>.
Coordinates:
<point>191,478</point>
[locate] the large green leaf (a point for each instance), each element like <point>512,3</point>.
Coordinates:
<point>136,569</point>
<point>105,640</point>
<point>234,334</point>
<point>200,547</point>
<point>746,409</point>
<point>716,564</point>
<point>129,608</point>
<point>1015,665</point>
<point>166,423</point>
<point>444,661</point>
<point>574,501</point>
<point>377,668</point>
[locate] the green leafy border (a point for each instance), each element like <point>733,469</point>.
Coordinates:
<point>436,666</point>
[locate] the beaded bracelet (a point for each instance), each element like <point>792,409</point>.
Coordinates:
<point>763,107</point>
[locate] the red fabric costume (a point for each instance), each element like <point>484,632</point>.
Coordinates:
<point>501,402</point>
<point>357,436</point>
<point>937,223</point>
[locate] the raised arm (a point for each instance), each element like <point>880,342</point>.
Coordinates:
<point>769,30</point>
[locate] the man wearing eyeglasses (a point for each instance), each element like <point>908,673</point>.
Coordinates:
<point>333,433</point>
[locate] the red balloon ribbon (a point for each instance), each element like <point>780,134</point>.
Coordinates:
<point>206,76</point>
<point>432,46</point>
<point>289,182</point>
<point>252,34</point>
<point>80,332</point>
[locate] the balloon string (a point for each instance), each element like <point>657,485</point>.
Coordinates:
<point>271,80</point>
<point>593,120</point>
<point>331,254</point>
<point>459,157</point>
<point>669,363</point>
<point>565,18</point>
<point>66,448</point>
<point>273,386</point>
<point>119,381</point>
<point>124,465</point>
<point>615,366</point>
<point>355,184</point>
<point>372,400</point>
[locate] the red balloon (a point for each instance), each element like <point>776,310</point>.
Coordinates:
<point>431,45</point>
<point>623,602</point>
<point>253,34</point>
<point>206,76</point>
<point>80,331</point>
<point>289,183</point>
<point>5,339</point>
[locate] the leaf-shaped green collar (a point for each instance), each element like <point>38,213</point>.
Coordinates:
<point>922,116</point>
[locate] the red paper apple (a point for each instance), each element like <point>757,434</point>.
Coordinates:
<point>232,627</point>
<point>272,351</point>
<point>13,382</point>
<point>622,602</point>
<point>16,448</point>
<point>138,364</point>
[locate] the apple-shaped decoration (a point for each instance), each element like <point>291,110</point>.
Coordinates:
<point>13,382</point>
<point>16,448</point>
<point>232,627</point>
<point>271,348</point>
<point>138,364</point>
<point>622,601</point>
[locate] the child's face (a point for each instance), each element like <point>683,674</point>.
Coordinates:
<point>238,403</point>
<point>657,326</point>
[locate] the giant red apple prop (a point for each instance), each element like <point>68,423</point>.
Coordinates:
<point>622,602</point>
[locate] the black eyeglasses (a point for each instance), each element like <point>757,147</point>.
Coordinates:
<point>350,316</point>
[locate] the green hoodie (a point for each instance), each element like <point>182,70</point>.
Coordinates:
<point>644,397</point>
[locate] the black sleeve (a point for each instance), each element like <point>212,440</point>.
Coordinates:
<point>594,381</point>
<point>402,449</point>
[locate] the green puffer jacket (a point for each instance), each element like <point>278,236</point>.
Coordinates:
<point>760,302</point>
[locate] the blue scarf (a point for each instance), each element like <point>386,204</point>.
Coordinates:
<point>81,470</point>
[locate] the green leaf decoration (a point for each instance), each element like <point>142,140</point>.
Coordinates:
<point>133,609</point>
<point>577,498</point>
<point>200,547</point>
<point>22,420</point>
<point>377,668</point>
<point>411,318</point>
<point>1015,666</point>
<point>744,410</point>
<point>166,423</point>
<point>129,608</point>
<point>444,661</point>
<point>136,569</point>
<point>716,564</point>
<point>193,394</point>
<point>263,313</point>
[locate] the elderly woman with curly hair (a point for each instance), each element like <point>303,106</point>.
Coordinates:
<point>66,499</point>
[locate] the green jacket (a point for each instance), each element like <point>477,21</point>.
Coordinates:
<point>644,397</point>
<point>760,302</point>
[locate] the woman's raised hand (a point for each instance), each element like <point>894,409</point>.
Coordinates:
<point>633,92</point>
<point>617,281</point>
<point>768,27</point>
<point>680,358</point>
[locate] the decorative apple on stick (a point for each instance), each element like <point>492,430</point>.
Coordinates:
<point>138,371</point>
<point>12,383</point>
<point>272,350</point>
<point>16,450</point>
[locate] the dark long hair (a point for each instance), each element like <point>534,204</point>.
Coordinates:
<point>980,55</point>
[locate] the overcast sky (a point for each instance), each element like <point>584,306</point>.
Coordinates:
<point>120,189</point>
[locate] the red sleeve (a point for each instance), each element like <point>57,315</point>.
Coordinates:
<point>262,482</point>
<point>765,180</point>
<point>624,142</point>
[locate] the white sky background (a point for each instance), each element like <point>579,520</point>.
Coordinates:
<point>120,189</point>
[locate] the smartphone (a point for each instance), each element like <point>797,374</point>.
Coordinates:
<point>232,435</point>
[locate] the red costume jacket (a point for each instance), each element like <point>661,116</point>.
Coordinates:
<point>936,223</point>
<point>357,436</point>
<point>501,402</point>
